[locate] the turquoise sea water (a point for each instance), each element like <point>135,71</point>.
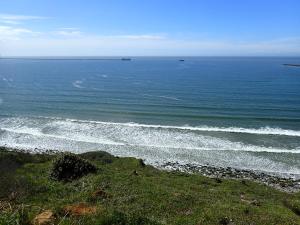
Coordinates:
<point>237,112</point>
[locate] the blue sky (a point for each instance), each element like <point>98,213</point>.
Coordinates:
<point>150,27</point>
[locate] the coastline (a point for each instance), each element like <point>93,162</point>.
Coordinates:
<point>286,184</point>
<point>124,190</point>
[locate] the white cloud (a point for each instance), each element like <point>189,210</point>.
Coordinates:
<point>10,22</point>
<point>18,40</point>
<point>17,19</point>
<point>14,33</point>
<point>141,37</point>
<point>72,32</point>
<point>11,30</point>
<point>68,32</point>
<point>69,28</point>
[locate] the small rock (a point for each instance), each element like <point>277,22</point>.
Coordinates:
<point>44,218</point>
<point>188,212</point>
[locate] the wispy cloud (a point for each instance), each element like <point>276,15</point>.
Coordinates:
<point>10,22</point>
<point>11,27</point>
<point>13,33</point>
<point>68,32</point>
<point>141,37</point>
<point>16,39</point>
<point>15,19</point>
<point>73,32</point>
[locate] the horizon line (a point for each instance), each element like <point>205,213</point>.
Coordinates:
<point>137,56</point>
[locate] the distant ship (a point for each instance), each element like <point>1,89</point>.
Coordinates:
<point>126,59</point>
<point>288,64</point>
<point>181,60</point>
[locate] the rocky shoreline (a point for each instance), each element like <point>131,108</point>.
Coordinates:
<point>290,184</point>
<point>281,183</point>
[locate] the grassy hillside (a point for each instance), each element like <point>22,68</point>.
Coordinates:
<point>125,191</point>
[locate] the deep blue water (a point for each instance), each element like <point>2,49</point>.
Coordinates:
<point>239,112</point>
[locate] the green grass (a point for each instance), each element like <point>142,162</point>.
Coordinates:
<point>149,197</point>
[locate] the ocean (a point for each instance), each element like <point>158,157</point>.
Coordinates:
<point>240,112</point>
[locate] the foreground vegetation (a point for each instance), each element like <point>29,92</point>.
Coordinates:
<point>125,191</point>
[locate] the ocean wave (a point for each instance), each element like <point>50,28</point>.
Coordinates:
<point>262,130</point>
<point>218,144</point>
<point>143,135</point>
<point>154,143</point>
<point>75,138</point>
<point>77,84</point>
<point>259,131</point>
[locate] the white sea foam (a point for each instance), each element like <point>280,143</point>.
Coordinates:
<point>258,131</point>
<point>155,143</point>
<point>77,84</point>
<point>76,138</point>
<point>262,130</point>
<point>8,81</point>
<point>146,141</point>
<point>102,75</point>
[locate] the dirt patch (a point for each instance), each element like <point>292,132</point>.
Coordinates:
<point>81,209</point>
<point>44,218</point>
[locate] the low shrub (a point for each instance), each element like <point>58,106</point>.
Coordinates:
<point>68,167</point>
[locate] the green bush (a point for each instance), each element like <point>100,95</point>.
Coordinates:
<point>69,166</point>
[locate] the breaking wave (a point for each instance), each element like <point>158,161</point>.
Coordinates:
<point>156,144</point>
<point>263,130</point>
